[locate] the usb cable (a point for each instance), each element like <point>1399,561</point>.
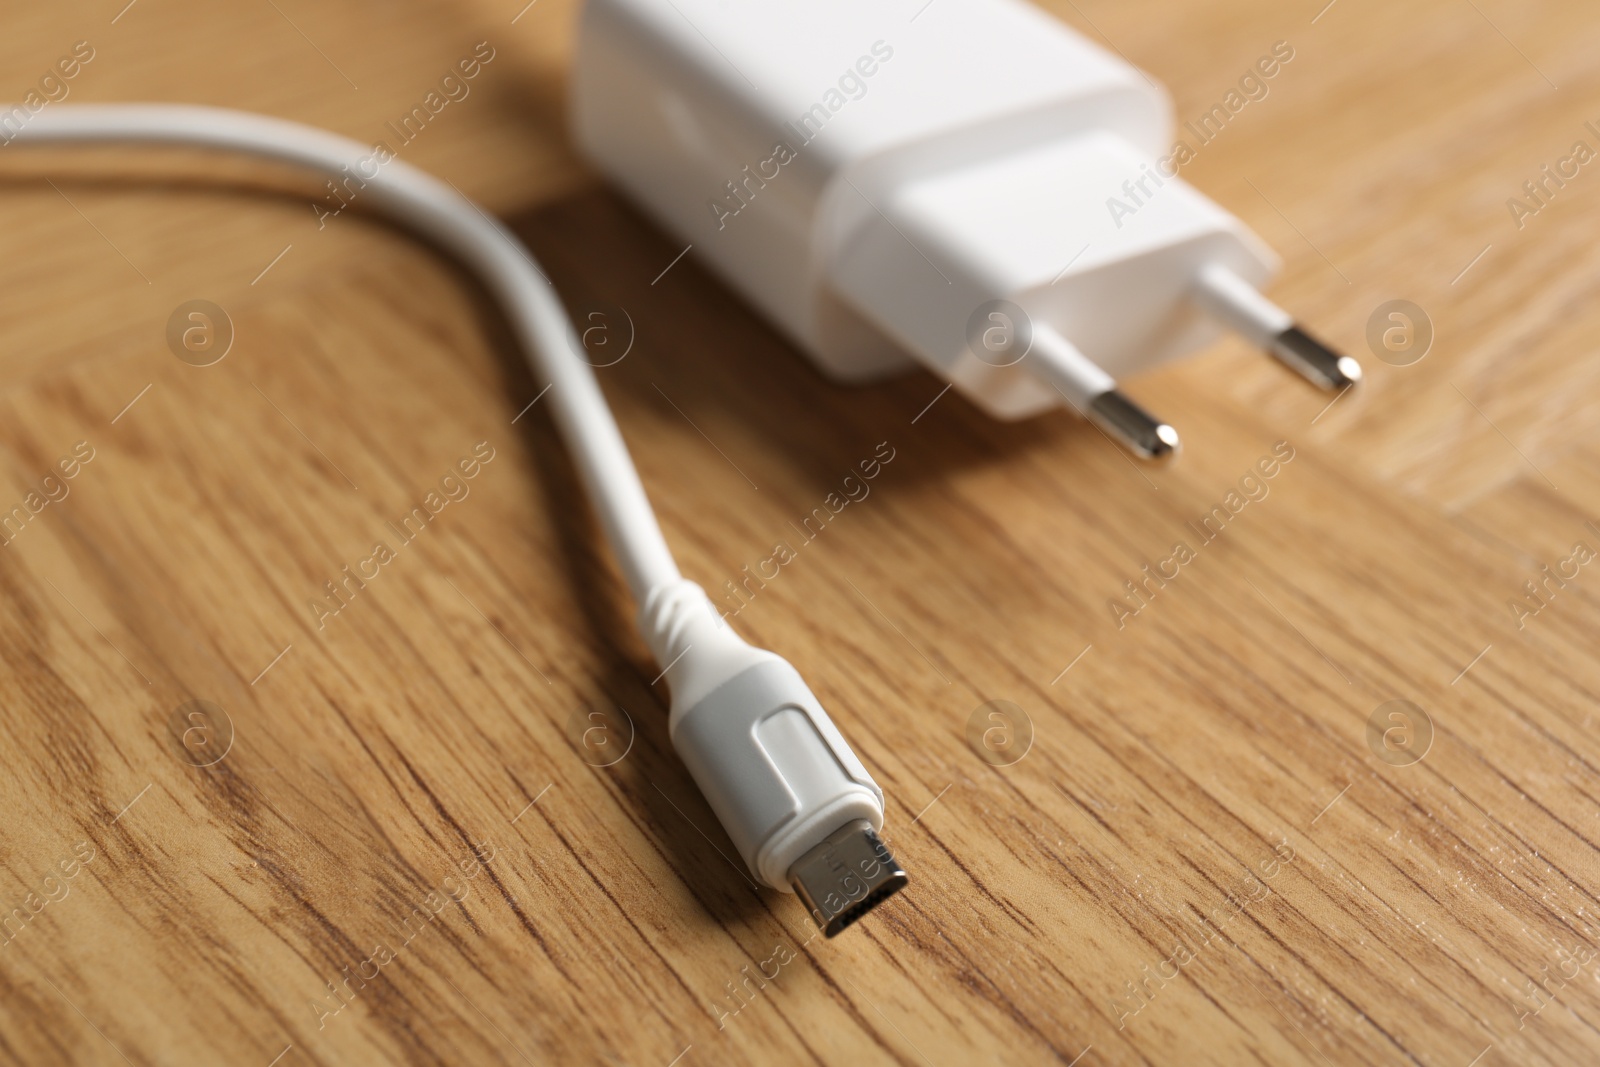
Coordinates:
<point>802,810</point>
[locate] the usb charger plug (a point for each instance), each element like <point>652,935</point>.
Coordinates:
<point>969,186</point>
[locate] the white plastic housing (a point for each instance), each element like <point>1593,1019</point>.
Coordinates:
<point>869,180</point>
<point>764,753</point>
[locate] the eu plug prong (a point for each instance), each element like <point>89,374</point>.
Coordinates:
<point>1094,394</point>
<point>1313,360</point>
<point>1237,303</point>
<point>1133,427</point>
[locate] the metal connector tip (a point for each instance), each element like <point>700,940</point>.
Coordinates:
<point>1133,427</point>
<point>1314,361</point>
<point>846,876</point>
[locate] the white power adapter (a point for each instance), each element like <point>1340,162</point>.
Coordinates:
<point>964,183</point>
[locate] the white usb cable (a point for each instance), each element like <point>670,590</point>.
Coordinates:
<point>794,798</point>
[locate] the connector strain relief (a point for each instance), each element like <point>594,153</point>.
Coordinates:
<point>671,618</point>
<point>694,646</point>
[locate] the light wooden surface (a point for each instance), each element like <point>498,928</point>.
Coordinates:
<point>1208,759</point>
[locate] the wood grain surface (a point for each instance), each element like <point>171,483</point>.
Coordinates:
<point>443,823</point>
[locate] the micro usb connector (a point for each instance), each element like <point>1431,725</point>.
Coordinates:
<point>797,802</point>
<point>847,875</point>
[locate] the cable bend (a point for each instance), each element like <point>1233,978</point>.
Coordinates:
<point>795,800</point>
<point>434,210</point>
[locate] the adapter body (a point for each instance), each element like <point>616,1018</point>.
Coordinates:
<point>872,180</point>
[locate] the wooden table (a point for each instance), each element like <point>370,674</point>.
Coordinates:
<point>399,847</point>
